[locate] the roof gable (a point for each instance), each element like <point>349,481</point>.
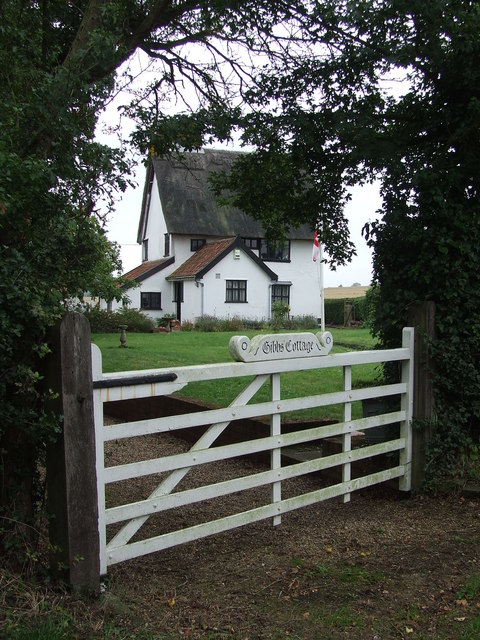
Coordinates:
<point>210,254</point>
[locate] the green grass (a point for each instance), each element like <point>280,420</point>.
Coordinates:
<point>164,350</point>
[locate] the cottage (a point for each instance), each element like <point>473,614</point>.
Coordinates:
<point>201,258</point>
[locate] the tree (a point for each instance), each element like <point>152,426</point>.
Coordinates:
<point>59,71</point>
<point>393,95</point>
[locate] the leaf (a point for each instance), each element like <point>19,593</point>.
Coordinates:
<point>171,602</point>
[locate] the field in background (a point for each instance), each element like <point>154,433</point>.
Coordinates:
<point>336,293</point>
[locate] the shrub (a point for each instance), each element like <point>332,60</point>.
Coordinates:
<point>187,325</point>
<point>109,322</point>
<point>206,323</point>
<point>231,324</point>
<point>137,321</point>
<point>305,322</point>
<point>101,321</point>
<point>335,310</point>
<point>279,321</point>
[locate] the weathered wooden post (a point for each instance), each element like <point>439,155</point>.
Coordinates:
<point>422,317</point>
<point>71,476</point>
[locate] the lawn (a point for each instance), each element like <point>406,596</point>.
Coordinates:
<point>160,350</point>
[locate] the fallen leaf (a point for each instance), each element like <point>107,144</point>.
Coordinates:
<point>462,603</point>
<point>460,619</point>
<point>306,614</point>
<point>171,602</point>
<point>408,630</point>
<point>329,549</point>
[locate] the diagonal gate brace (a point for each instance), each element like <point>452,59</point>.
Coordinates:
<point>167,485</point>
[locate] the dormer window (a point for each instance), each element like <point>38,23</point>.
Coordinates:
<point>275,251</point>
<point>196,243</point>
<point>252,243</point>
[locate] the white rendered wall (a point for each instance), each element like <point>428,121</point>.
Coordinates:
<point>156,227</point>
<point>303,273</point>
<point>258,288</point>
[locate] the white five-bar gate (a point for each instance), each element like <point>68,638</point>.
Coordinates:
<point>265,358</point>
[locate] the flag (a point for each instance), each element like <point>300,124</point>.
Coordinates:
<point>316,248</point>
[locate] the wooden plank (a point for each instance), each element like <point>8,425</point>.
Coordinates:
<point>160,503</point>
<point>347,437</point>
<point>422,317</point>
<point>198,373</point>
<point>276,452</point>
<point>99,461</point>
<point>74,532</point>
<point>405,483</point>
<point>197,532</point>
<point>195,458</point>
<point>227,414</point>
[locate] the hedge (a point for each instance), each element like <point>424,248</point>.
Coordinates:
<point>335,310</point>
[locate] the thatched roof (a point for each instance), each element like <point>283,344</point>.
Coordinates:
<point>190,207</point>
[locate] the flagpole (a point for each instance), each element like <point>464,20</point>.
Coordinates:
<point>320,281</point>
<point>317,256</point>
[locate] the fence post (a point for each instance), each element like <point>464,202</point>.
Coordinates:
<point>71,475</point>
<point>422,317</point>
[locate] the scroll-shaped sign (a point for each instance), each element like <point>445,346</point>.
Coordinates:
<point>279,346</point>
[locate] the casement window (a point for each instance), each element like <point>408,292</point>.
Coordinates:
<point>145,251</point>
<point>166,246</point>
<point>275,251</point>
<point>252,243</point>
<point>196,243</point>
<point>150,300</point>
<point>236,291</point>
<point>281,293</point>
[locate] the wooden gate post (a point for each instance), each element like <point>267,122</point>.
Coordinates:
<point>71,476</point>
<point>422,317</point>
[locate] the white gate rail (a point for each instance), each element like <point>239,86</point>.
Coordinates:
<point>128,385</point>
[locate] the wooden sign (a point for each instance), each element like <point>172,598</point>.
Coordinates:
<point>279,346</point>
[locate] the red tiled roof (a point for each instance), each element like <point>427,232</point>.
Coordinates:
<point>144,268</point>
<point>201,258</point>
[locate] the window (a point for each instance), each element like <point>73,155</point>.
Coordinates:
<point>281,293</point>
<point>252,243</point>
<point>236,291</point>
<point>166,246</point>
<point>150,300</point>
<point>149,191</point>
<point>178,292</point>
<point>275,251</point>
<point>145,251</point>
<point>196,243</point>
